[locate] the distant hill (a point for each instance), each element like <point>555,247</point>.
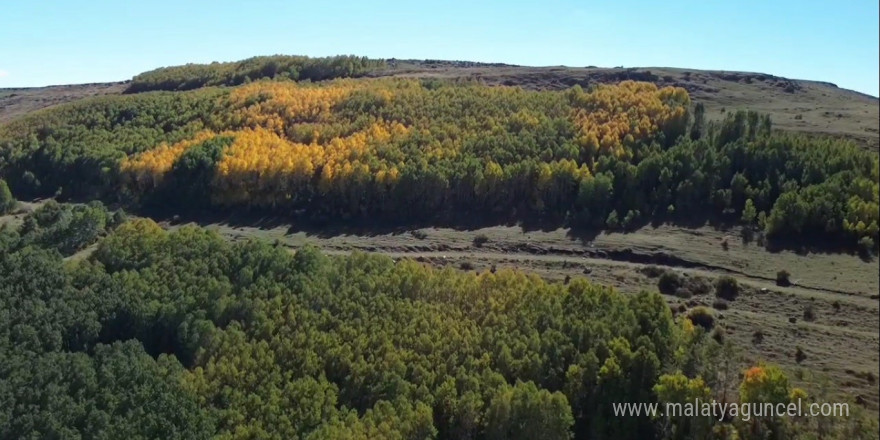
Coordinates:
<point>797,105</point>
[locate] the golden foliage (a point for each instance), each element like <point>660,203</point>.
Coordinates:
<point>262,168</point>
<point>277,105</point>
<point>146,170</point>
<point>613,117</point>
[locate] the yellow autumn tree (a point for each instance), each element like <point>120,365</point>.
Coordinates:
<point>146,170</point>
<point>613,117</point>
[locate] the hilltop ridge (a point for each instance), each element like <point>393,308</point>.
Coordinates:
<point>796,105</point>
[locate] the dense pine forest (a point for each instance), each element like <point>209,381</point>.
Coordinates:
<point>113,327</point>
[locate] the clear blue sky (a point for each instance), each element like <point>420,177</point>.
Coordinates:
<point>58,42</point>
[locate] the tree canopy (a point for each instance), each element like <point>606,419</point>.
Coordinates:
<point>186,335</point>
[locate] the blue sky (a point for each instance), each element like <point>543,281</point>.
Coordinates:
<point>60,42</point>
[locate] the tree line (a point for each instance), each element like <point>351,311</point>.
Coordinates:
<point>296,68</point>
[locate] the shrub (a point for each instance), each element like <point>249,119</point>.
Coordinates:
<point>866,246</point>
<point>697,285</point>
<point>466,265</point>
<point>652,271</point>
<point>702,317</point>
<point>757,337</point>
<point>799,355</point>
<point>683,293</point>
<point>119,217</point>
<point>809,313</point>
<point>480,240</point>
<point>718,334</point>
<point>720,304</point>
<point>727,288</point>
<point>782,278</point>
<point>7,202</point>
<point>836,305</point>
<point>420,234</point>
<point>611,221</point>
<point>669,283</point>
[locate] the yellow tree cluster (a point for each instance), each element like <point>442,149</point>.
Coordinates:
<point>278,105</point>
<point>613,117</point>
<point>262,168</point>
<point>146,170</point>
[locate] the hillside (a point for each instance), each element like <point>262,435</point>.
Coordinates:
<point>351,248</point>
<point>796,105</point>
<point>15,102</point>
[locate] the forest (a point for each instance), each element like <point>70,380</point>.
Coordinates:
<point>113,327</point>
<point>384,150</point>
<point>297,68</point>
<point>184,335</point>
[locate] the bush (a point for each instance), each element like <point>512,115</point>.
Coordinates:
<point>720,304</point>
<point>697,285</point>
<point>727,288</point>
<point>757,337</point>
<point>611,221</point>
<point>420,234</point>
<point>702,317</point>
<point>480,240</point>
<point>7,202</point>
<point>652,271</point>
<point>669,283</point>
<point>119,217</point>
<point>809,313</point>
<point>799,355</point>
<point>866,246</point>
<point>782,278</point>
<point>466,265</point>
<point>718,334</point>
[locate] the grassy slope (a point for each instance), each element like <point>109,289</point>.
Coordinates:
<point>17,102</point>
<point>841,343</point>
